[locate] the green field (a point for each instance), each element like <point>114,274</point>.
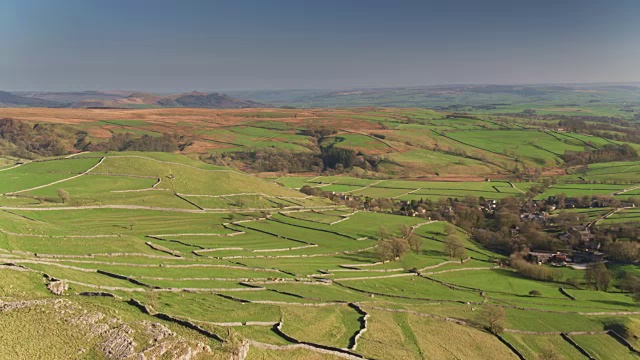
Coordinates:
<point>409,189</point>
<point>251,258</point>
<point>298,267</point>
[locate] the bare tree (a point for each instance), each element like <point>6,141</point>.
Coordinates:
<point>454,247</point>
<point>415,243</point>
<point>383,233</point>
<point>64,195</point>
<point>449,229</point>
<point>392,249</point>
<point>493,317</point>
<point>385,251</point>
<point>598,276</point>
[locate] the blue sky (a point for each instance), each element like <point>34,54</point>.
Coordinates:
<point>168,46</point>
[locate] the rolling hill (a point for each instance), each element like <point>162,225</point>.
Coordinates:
<point>8,99</point>
<point>187,100</point>
<point>171,256</point>
<point>100,99</point>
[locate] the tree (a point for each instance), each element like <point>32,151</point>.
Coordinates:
<point>493,317</point>
<point>63,195</point>
<point>535,293</point>
<point>415,243</point>
<point>626,251</point>
<point>598,276</point>
<point>631,283</point>
<point>385,251</point>
<point>449,229</point>
<point>454,247</point>
<point>533,271</point>
<point>383,233</point>
<point>392,249</point>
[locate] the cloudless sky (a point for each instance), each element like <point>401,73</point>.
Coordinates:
<point>169,46</point>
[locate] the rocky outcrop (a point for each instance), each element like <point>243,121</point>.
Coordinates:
<point>58,287</point>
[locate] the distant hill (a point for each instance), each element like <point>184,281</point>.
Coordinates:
<point>201,100</point>
<point>594,99</point>
<point>8,99</point>
<point>77,96</point>
<point>187,100</point>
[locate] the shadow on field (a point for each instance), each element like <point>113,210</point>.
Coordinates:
<point>434,253</point>
<point>365,256</point>
<point>624,305</point>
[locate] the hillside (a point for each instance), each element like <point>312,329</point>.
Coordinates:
<point>187,100</point>
<point>413,144</point>
<point>620,100</point>
<point>202,100</point>
<point>132,254</point>
<point>71,97</point>
<point>8,99</point>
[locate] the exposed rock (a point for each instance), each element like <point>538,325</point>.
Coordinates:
<point>58,287</point>
<point>115,339</point>
<point>118,345</point>
<point>157,331</point>
<point>241,352</point>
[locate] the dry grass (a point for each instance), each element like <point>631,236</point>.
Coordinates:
<point>406,336</point>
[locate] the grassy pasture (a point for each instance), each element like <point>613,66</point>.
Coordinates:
<point>411,189</point>
<point>213,308</point>
<point>332,325</point>
<point>77,246</point>
<point>398,336</point>
<point>344,257</point>
<point>577,190</point>
<point>320,217</point>
<point>189,180</point>
<point>413,287</point>
<point>533,345</point>
<point>603,347</point>
<point>619,172</point>
<point>536,146</point>
<point>625,215</point>
<point>34,174</point>
<point>111,222</point>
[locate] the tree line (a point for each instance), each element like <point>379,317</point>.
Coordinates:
<point>21,139</point>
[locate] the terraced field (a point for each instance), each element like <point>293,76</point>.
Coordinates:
<point>223,260</point>
<point>408,189</point>
<point>620,179</point>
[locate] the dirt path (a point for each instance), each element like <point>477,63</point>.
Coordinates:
<point>373,184</point>
<point>605,216</point>
<point>14,166</point>
<point>625,190</point>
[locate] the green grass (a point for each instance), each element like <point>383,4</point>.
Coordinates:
<point>411,189</point>
<point>344,251</point>
<point>531,346</point>
<point>332,325</point>
<point>110,222</point>
<point>603,347</point>
<point>626,215</point>
<point>578,190</point>
<point>41,173</point>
